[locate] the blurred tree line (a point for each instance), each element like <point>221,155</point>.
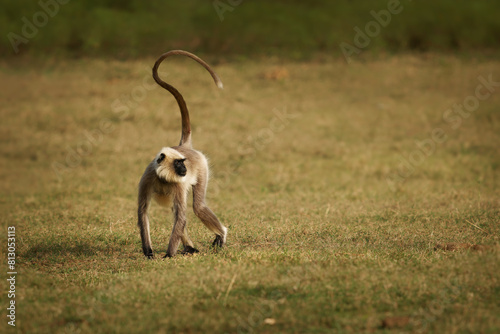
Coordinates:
<point>297,29</point>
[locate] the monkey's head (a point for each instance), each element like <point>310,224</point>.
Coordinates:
<point>169,165</point>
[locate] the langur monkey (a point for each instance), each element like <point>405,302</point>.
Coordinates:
<point>171,174</point>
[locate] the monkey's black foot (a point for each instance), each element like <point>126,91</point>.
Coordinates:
<point>148,253</point>
<point>167,256</point>
<point>218,242</point>
<point>189,250</point>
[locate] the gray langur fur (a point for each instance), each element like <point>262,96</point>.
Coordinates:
<point>171,174</point>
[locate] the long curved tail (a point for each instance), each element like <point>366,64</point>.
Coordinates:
<point>186,125</point>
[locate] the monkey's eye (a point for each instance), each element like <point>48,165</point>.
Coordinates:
<point>160,158</point>
<point>179,162</point>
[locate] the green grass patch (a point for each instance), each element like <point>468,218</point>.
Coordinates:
<point>297,29</point>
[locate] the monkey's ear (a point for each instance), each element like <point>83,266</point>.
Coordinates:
<point>160,158</point>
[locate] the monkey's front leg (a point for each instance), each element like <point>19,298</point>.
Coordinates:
<point>143,220</point>
<point>145,233</point>
<point>179,225</point>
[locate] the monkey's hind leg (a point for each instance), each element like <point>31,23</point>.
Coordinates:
<point>203,212</point>
<point>188,244</point>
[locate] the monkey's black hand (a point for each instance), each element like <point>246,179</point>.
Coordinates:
<point>218,242</point>
<point>189,250</point>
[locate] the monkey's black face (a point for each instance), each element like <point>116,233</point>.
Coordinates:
<point>179,167</point>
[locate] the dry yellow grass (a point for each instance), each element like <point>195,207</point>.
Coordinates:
<point>333,214</point>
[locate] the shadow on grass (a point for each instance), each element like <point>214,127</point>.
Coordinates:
<point>65,248</point>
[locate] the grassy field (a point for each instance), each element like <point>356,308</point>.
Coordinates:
<point>336,182</point>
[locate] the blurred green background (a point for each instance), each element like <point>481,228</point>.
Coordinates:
<point>295,29</point>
